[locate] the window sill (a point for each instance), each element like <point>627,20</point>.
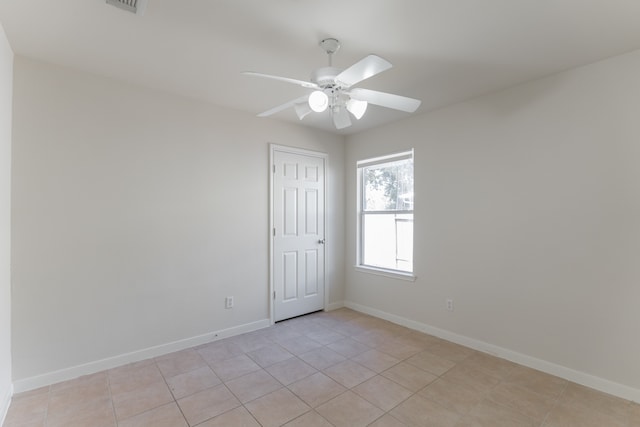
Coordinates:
<point>387,273</point>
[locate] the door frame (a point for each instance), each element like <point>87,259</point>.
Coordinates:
<point>305,152</point>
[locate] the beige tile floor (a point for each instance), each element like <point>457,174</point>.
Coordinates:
<point>340,368</point>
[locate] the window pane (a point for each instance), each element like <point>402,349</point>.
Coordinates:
<point>388,241</point>
<point>388,186</point>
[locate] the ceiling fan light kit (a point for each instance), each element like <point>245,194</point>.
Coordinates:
<point>357,108</point>
<point>318,101</point>
<point>302,109</point>
<point>332,90</point>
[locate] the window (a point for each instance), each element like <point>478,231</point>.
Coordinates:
<point>385,213</point>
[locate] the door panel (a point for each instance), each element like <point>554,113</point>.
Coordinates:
<point>298,239</point>
<point>311,269</point>
<point>311,210</point>
<point>290,209</point>
<point>290,277</point>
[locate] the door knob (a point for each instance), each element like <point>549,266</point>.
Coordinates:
<point>321,241</point>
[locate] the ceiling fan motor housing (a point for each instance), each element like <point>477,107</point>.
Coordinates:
<point>325,77</point>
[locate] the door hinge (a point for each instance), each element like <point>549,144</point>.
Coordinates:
<point>274,295</point>
<point>274,168</point>
<point>274,231</point>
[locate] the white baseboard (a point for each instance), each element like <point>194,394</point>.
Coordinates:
<point>122,359</point>
<point>334,306</point>
<point>585,379</point>
<point>5,401</point>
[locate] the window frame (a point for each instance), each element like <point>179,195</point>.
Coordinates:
<point>361,213</point>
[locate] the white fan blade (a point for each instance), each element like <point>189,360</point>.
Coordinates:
<point>367,67</point>
<point>341,118</point>
<point>302,83</point>
<point>283,106</point>
<point>387,100</point>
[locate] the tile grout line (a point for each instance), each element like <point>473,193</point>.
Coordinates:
<point>250,413</point>
<point>113,404</point>
<point>556,403</point>
<point>46,410</point>
<point>175,400</point>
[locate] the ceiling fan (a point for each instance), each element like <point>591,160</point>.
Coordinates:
<point>332,90</point>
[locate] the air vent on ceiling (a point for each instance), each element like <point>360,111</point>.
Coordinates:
<point>133,6</point>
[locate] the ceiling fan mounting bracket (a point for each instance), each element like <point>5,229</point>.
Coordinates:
<point>330,45</point>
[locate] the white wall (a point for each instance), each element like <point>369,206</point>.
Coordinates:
<point>6,89</point>
<point>135,214</point>
<point>528,216</point>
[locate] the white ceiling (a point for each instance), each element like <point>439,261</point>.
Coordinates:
<point>443,51</point>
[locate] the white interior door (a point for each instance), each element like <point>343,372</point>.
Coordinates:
<point>298,233</point>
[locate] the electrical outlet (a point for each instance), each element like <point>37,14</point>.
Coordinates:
<point>449,304</point>
<point>228,302</point>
